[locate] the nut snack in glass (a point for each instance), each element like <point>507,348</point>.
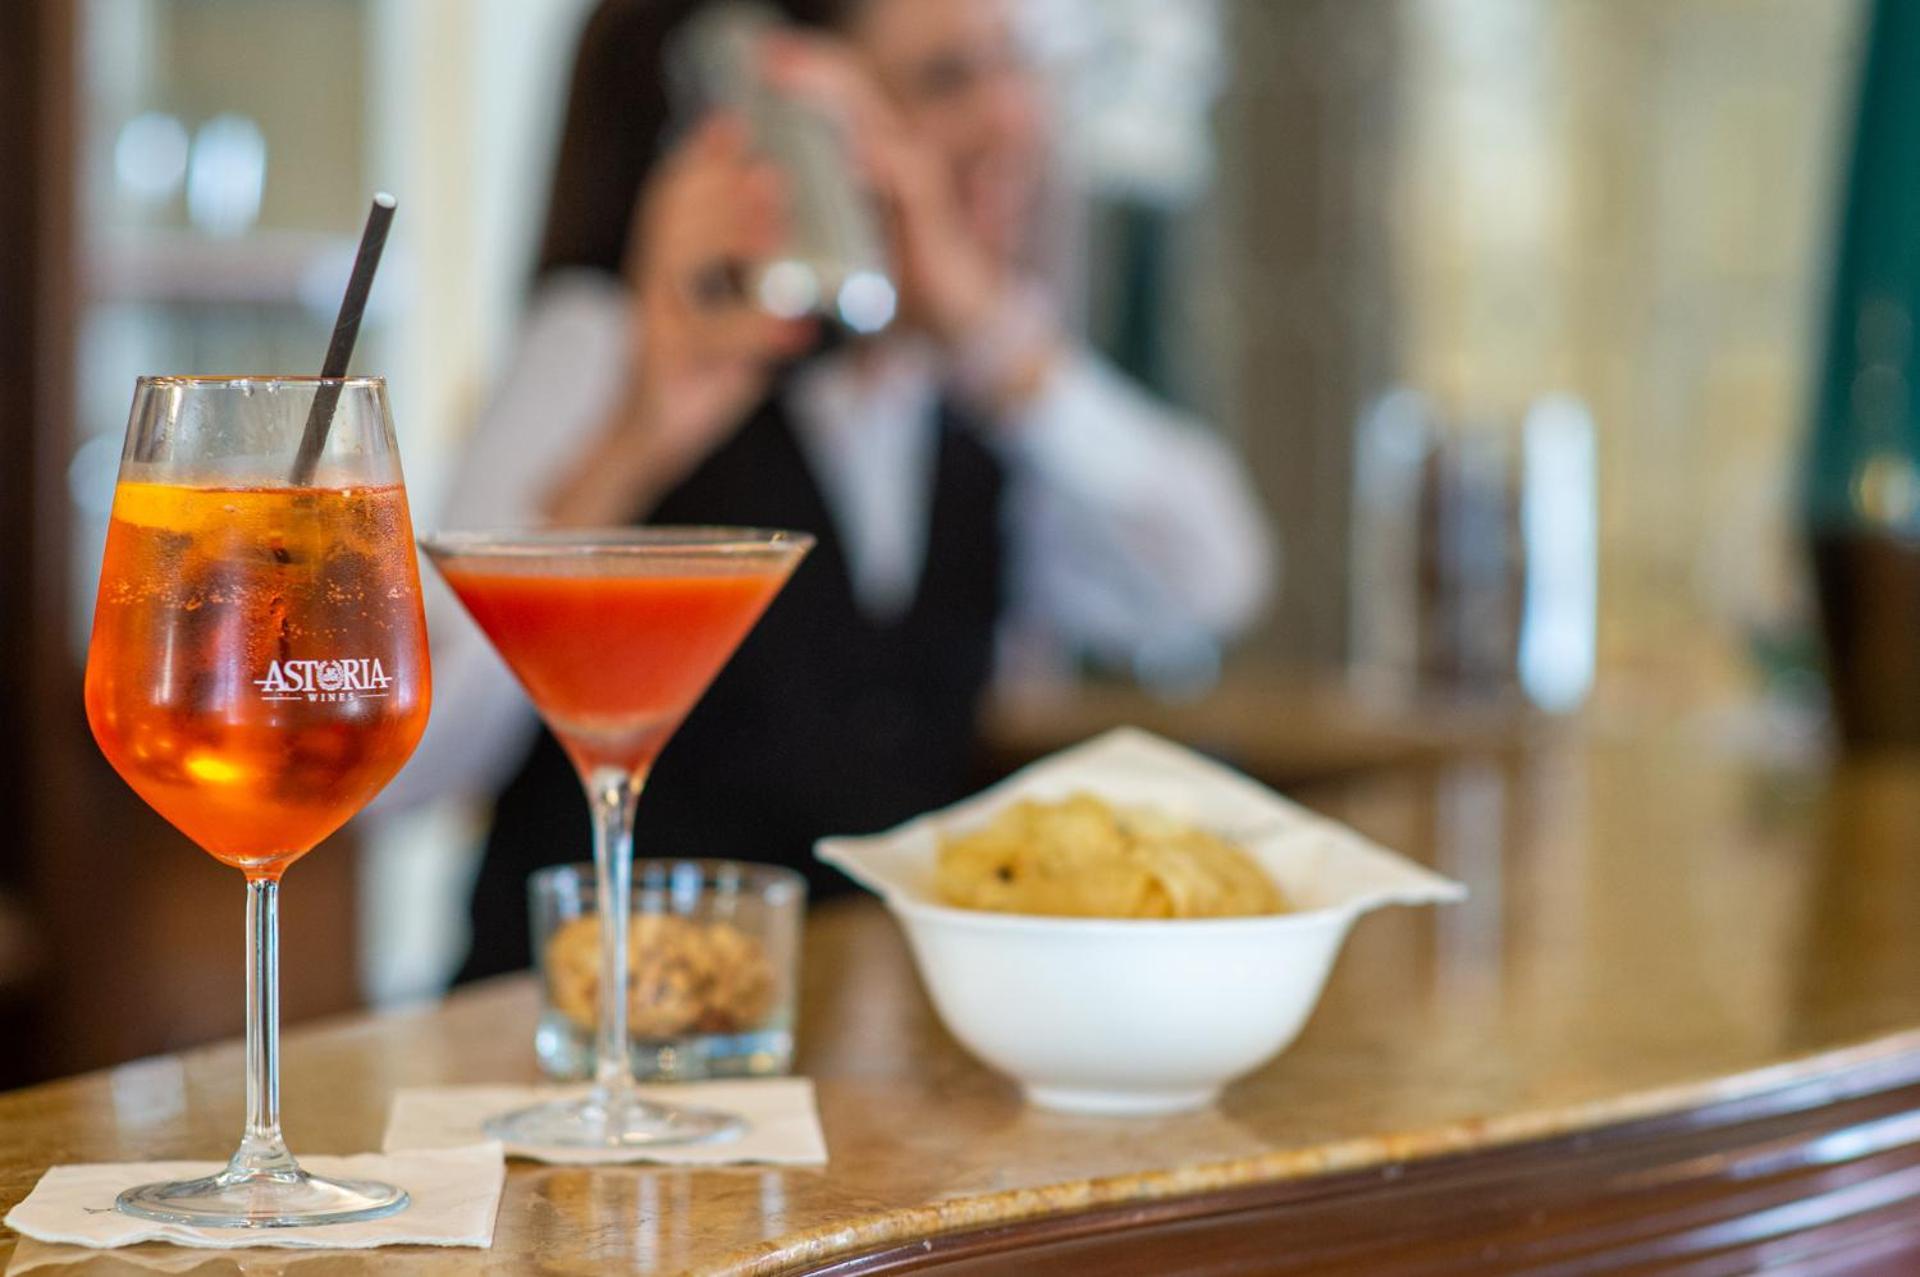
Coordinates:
<point>713,951</point>
<point>257,673</point>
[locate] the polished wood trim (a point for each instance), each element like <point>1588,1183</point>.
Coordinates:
<point>37,315</point>
<point>1822,1176</point>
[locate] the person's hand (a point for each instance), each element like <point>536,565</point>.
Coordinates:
<point>705,353</point>
<point>702,354</point>
<point>949,284</point>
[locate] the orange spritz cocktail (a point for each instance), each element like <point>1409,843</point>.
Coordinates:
<point>258,672</point>
<point>294,683</point>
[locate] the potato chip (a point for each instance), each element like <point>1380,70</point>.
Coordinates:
<point>1083,857</point>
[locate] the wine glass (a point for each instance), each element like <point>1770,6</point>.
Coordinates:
<point>258,672</point>
<point>615,634</point>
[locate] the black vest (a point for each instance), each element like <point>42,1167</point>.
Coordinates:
<point>824,722</point>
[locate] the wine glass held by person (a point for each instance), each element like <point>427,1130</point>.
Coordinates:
<point>977,479</point>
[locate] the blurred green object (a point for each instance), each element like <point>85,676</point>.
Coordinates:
<point>1862,493</point>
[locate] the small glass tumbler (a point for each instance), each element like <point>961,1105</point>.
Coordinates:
<point>713,961</point>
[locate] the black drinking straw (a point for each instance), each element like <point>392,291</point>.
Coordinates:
<point>346,329</point>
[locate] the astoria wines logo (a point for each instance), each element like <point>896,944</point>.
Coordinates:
<point>355,678</point>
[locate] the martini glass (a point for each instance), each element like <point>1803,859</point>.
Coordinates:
<point>615,634</point>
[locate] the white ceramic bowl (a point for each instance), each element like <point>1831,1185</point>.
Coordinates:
<point>1133,1017</point>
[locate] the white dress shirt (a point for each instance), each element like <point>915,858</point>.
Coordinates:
<point>1127,523</point>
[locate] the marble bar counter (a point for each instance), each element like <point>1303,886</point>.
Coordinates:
<point>1675,1028</point>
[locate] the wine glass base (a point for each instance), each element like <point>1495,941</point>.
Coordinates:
<point>590,1123</point>
<point>276,1199</point>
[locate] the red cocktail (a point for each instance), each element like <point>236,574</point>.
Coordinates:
<point>614,660</point>
<point>615,635</point>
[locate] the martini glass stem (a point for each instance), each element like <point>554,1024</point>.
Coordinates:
<point>612,794</point>
<point>262,1150</point>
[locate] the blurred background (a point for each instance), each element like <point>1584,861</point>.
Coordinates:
<point>1516,308</point>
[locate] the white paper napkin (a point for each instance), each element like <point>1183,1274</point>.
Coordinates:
<point>783,1124</point>
<point>455,1191</point>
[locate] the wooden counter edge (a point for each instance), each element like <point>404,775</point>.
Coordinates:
<point>1819,1119</point>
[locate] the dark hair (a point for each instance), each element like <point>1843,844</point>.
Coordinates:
<point>617,117</point>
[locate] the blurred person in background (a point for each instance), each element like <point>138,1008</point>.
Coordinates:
<point>973,469</point>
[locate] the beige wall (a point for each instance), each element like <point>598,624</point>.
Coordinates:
<point>299,72</point>
<point>1628,200</point>
<point>1490,200</point>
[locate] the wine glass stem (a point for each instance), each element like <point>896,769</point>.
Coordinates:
<point>613,794</point>
<point>261,1149</point>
